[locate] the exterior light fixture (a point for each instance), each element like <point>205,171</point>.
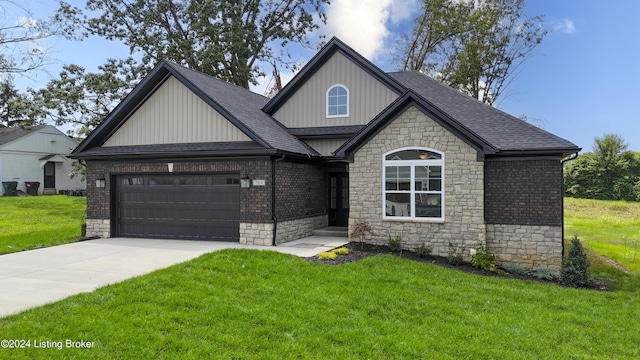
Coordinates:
<point>101,182</point>
<point>245,182</point>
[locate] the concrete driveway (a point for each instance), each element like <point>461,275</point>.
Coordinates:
<point>37,277</point>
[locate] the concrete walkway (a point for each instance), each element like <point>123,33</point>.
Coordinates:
<point>37,277</point>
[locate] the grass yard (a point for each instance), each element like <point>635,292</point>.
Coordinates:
<point>609,228</point>
<point>38,221</point>
<point>245,304</point>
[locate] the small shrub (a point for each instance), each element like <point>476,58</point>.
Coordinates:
<point>395,243</point>
<point>515,268</point>
<point>340,251</point>
<point>547,273</point>
<point>423,250</point>
<point>327,255</point>
<point>360,231</point>
<point>455,255</point>
<point>574,270</point>
<point>481,258</point>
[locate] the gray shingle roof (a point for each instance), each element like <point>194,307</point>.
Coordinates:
<point>499,129</point>
<point>245,106</point>
<point>341,131</point>
<point>9,134</point>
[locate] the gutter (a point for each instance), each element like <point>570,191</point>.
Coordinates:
<point>273,198</point>
<point>572,157</point>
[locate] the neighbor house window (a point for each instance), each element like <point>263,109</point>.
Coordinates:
<point>413,181</point>
<point>338,101</point>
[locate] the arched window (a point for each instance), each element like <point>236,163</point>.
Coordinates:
<point>338,101</point>
<point>413,184</point>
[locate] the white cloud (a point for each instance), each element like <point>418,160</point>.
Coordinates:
<point>565,26</point>
<point>363,24</point>
<point>27,22</point>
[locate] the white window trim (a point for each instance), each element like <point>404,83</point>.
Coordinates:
<point>326,99</point>
<point>412,164</point>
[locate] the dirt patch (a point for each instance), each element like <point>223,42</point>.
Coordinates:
<point>359,251</point>
<point>615,264</point>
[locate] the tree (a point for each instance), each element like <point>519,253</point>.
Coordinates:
<point>81,98</point>
<point>19,34</point>
<point>574,270</point>
<point>473,46</point>
<point>225,39</point>
<point>609,172</point>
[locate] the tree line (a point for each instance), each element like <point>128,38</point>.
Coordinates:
<point>609,172</point>
<point>473,46</point>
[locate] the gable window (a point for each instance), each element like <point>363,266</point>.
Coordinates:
<point>413,182</point>
<point>338,101</point>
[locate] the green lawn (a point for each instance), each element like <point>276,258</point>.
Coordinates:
<point>609,228</point>
<point>246,304</point>
<point>37,221</point>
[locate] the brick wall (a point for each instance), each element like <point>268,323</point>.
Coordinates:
<point>255,202</point>
<point>523,192</point>
<point>464,197</point>
<point>301,190</point>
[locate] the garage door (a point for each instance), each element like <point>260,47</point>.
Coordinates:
<point>195,207</point>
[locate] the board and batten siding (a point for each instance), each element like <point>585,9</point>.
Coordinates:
<point>308,106</point>
<point>325,147</point>
<point>173,115</point>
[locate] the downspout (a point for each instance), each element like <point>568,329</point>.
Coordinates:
<point>572,157</point>
<point>273,198</point>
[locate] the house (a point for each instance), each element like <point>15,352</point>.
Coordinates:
<point>185,155</point>
<point>37,155</point>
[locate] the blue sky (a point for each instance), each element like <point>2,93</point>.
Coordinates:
<point>582,82</point>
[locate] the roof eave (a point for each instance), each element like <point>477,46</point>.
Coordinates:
<point>395,109</point>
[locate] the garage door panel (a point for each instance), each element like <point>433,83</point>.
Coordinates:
<point>203,207</point>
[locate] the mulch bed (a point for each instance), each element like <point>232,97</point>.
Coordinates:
<point>358,251</point>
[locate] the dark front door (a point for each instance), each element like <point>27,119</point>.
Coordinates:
<point>50,175</point>
<point>194,207</point>
<point>338,199</point>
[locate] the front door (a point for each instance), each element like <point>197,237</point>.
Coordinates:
<point>50,175</point>
<point>338,199</point>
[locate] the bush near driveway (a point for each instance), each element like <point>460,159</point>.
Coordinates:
<point>29,222</point>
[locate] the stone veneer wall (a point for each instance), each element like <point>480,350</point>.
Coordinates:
<point>532,246</point>
<point>98,228</point>
<point>256,234</point>
<point>290,230</point>
<point>464,190</point>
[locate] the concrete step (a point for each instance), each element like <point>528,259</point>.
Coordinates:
<point>335,231</point>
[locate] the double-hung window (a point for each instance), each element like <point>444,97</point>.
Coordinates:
<point>338,101</point>
<point>413,184</point>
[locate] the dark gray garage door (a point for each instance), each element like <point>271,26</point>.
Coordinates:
<point>196,207</point>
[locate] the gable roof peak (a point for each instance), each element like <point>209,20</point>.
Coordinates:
<point>332,47</point>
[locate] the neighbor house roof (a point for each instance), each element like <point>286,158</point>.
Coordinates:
<point>238,105</point>
<point>9,134</point>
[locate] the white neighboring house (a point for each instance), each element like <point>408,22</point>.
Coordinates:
<point>37,154</point>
